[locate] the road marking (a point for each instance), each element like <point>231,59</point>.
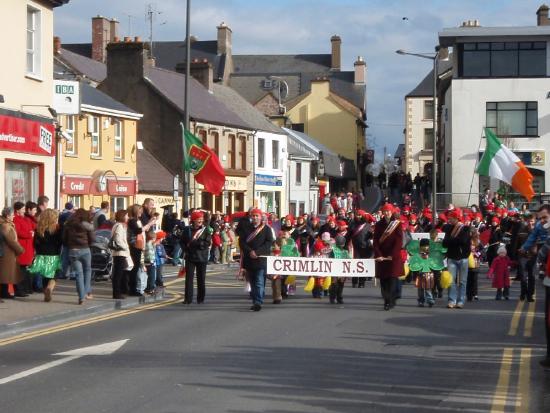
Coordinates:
<point>514,324</point>
<point>522,403</point>
<point>529,319</point>
<point>98,350</point>
<point>501,391</point>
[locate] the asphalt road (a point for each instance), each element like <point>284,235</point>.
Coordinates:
<point>302,356</point>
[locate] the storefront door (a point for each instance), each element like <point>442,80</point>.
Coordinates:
<point>22,182</point>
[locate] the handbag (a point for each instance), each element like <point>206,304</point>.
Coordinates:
<point>471,261</point>
<point>129,264</point>
<point>140,242</point>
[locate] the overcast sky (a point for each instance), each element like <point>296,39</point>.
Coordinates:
<point>373,29</point>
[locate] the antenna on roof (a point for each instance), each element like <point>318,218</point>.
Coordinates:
<point>130,17</point>
<point>150,16</point>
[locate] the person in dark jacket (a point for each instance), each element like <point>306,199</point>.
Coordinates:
<point>458,243</point>
<point>78,235</point>
<point>360,235</point>
<point>256,242</point>
<point>195,243</point>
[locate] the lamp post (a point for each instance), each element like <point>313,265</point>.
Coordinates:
<point>434,58</point>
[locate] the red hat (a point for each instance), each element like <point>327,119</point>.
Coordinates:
<point>428,216</point>
<point>404,219</point>
<point>511,213</point>
<point>490,207</point>
<point>196,215</point>
<point>442,217</point>
<point>331,219</point>
<point>406,208</point>
<point>256,211</point>
<point>318,246</point>
<point>368,217</point>
<point>387,207</point>
<point>479,216</point>
<point>161,235</point>
<point>412,217</point>
<point>360,213</point>
<point>342,224</point>
<point>426,211</point>
<point>454,214</point>
<point>226,219</point>
<point>397,210</point>
<point>314,220</point>
<point>495,220</point>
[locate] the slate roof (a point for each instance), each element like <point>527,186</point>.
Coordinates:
<point>426,87</point>
<point>94,97</point>
<point>153,176</point>
<point>169,53</point>
<point>204,105</point>
<point>244,110</point>
<point>57,3</point>
<point>84,66</point>
<point>400,151</point>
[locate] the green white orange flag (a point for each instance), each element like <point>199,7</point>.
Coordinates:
<point>501,163</point>
<point>203,163</point>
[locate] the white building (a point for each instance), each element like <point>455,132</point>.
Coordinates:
<point>501,80</point>
<point>419,112</point>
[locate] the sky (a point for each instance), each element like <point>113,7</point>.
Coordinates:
<point>373,29</point>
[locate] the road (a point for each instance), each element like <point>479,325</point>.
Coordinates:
<point>302,356</point>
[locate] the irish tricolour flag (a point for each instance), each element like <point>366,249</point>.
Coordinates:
<point>501,163</point>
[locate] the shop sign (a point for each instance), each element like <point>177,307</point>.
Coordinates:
<point>73,185</point>
<point>121,187</point>
<point>269,180</point>
<point>66,97</point>
<point>537,158</point>
<point>28,136</point>
<point>233,183</point>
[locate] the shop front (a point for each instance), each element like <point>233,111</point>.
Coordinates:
<point>232,199</point>
<point>270,194</point>
<point>27,157</point>
<point>87,191</point>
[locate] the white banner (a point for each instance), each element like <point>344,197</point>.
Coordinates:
<point>421,235</point>
<point>320,267</point>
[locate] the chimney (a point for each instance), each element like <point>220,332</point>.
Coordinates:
<point>126,60</point>
<point>360,71</point>
<point>56,45</point>
<point>113,30</point>
<point>101,36</point>
<point>224,39</point>
<point>201,70</point>
<point>542,16</point>
<point>335,62</point>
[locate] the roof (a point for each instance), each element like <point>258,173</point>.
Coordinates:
<point>450,36</point>
<point>426,87</point>
<point>204,107</point>
<point>169,53</point>
<point>298,71</point>
<point>95,98</point>
<point>57,3</point>
<point>153,176</point>
<point>309,141</point>
<point>83,66</point>
<point>245,110</point>
<point>400,151</point>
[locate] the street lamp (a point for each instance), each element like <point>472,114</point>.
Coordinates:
<point>435,58</point>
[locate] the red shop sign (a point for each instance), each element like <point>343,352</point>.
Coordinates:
<point>75,185</point>
<point>28,136</point>
<point>121,187</point>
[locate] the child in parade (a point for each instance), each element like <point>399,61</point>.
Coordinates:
<point>336,289</point>
<point>437,252</point>
<point>423,263</point>
<point>284,247</point>
<point>500,272</point>
<point>473,266</point>
<point>149,259</point>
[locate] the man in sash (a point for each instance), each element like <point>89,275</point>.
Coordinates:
<point>257,242</point>
<point>457,241</point>
<point>360,236</point>
<point>195,241</point>
<point>387,242</point>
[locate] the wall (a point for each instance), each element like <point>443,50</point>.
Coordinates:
<point>414,138</point>
<point>468,103</point>
<point>301,193</point>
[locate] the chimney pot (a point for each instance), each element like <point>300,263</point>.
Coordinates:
<point>116,39</point>
<point>542,16</point>
<point>224,39</point>
<point>137,39</point>
<point>101,36</point>
<point>56,45</point>
<point>127,39</point>
<point>359,77</point>
<point>336,54</point>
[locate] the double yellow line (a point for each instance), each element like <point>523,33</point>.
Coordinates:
<point>512,357</point>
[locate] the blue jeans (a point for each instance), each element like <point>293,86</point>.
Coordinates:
<point>257,285</point>
<point>459,272</point>
<point>81,266</point>
<point>176,254</point>
<point>151,277</point>
<point>65,264</point>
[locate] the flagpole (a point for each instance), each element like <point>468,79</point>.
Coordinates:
<point>475,167</point>
<point>185,175</point>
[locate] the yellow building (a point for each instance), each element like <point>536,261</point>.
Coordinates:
<point>99,161</point>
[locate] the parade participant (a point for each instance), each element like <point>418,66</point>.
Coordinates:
<point>329,226</point>
<point>414,226</point>
<point>473,265</point>
<point>387,242</point>
<point>285,247</point>
<point>322,248</point>
<point>121,255</point>
<point>302,236</point>
<point>257,242</point>
<point>457,241</point>
<point>437,251</point>
<point>336,290</point>
<point>9,269</point>
<point>527,259</point>
<point>500,273</point>
<point>195,242</point>
<point>422,265</point>
<point>341,216</point>
<point>360,236</point>
<point>494,240</point>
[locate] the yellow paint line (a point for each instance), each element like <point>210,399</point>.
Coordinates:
<point>88,321</point>
<point>522,403</point>
<point>501,392</point>
<point>514,324</point>
<point>529,319</point>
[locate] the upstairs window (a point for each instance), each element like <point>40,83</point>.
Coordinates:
<point>118,140</point>
<point>512,118</point>
<point>232,152</point>
<point>261,153</point>
<point>242,145</point>
<point>428,109</point>
<point>275,154</point>
<point>70,144</point>
<point>428,139</point>
<point>96,143</point>
<point>33,41</point>
<point>502,59</point>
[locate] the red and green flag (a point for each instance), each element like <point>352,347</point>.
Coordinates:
<point>200,160</point>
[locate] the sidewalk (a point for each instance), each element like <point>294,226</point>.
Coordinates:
<point>29,312</point>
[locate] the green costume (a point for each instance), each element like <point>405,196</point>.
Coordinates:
<point>434,262</point>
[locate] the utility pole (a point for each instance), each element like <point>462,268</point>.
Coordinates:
<point>185,175</point>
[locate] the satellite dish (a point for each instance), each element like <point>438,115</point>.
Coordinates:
<point>283,89</point>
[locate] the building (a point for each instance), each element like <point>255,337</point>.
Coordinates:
<point>500,79</point>
<point>419,138</point>
<point>27,131</point>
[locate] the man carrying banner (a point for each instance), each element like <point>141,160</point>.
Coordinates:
<point>387,242</point>
<point>360,236</point>
<point>257,242</point>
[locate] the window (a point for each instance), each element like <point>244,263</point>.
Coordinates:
<point>261,153</point>
<point>33,42</point>
<point>22,181</point>
<point>298,127</point>
<point>76,200</point>
<point>232,152</point>
<point>202,135</point>
<point>242,144</point>
<point>502,59</point>
<point>216,139</point>
<point>428,109</point>
<point>118,140</point>
<point>298,173</point>
<point>96,144</point>
<point>513,118</point>
<point>428,139</point>
<point>70,144</point>
<point>118,203</point>
<point>275,154</point>
<point>293,209</point>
